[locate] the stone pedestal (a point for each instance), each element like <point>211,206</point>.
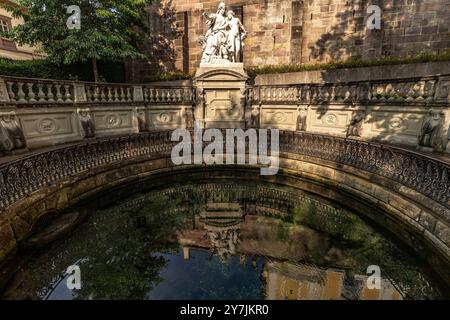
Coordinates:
<point>221,95</point>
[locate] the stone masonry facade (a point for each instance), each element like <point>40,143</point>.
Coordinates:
<point>297,31</point>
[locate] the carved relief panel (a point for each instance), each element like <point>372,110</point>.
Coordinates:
<point>392,122</point>
<point>334,121</point>
<point>223,107</point>
<point>51,127</point>
<point>113,121</point>
<point>166,118</point>
<point>279,117</point>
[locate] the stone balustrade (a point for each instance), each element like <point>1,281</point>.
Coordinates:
<point>394,111</point>
<point>420,90</point>
<point>24,91</point>
<point>168,95</point>
<point>35,91</point>
<point>36,113</point>
<point>109,93</point>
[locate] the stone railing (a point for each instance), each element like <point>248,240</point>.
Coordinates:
<point>424,174</point>
<point>19,179</point>
<point>410,111</point>
<point>397,111</point>
<point>35,92</point>
<point>421,90</point>
<point>110,93</point>
<point>169,95</point>
<point>78,110</point>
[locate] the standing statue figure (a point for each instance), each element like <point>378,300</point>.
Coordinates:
<point>224,38</point>
<point>236,37</point>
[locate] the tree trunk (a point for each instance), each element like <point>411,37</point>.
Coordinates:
<point>95,69</point>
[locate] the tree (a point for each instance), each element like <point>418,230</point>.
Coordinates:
<point>109,29</point>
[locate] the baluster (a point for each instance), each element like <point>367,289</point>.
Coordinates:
<point>51,96</point>
<point>410,92</point>
<point>116,94</point>
<point>96,93</point>
<point>152,95</point>
<point>21,93</point>
<point>58,93</point>
<point>109,93</point>
<point>68,93</point>
<point>122,94</point>
<point>41,94</point>
<point>420,90</point>
<point>147,95</point>
<point>129,94</point>
<point>31,94</point>
<point>11,93</point>
<point>103,94</point>
<point>90,93</point>
<point>125,94</point>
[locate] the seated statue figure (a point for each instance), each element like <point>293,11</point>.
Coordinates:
<point>216,36</point>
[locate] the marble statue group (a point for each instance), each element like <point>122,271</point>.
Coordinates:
<point>225,36</point>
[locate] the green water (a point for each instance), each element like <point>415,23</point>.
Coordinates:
<point>219,240</point>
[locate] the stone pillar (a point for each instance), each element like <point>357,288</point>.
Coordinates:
<point>4,96</point>
<point>219,91</point>
<point>138,94</point>
<point>79,93</point>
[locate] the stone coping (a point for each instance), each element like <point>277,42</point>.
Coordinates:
<point>375,73</point>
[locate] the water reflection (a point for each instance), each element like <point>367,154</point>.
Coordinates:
<point>219,240</point>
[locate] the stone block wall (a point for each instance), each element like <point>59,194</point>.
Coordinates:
<point>336,29</point>
<point>296,31</point>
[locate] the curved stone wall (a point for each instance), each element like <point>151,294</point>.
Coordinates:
<point>405,190</point>
<point>62,142</point>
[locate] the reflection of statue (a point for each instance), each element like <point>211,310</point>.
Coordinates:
<point>354,129</point>
<point>87,125</point>
<point>236,36</point>
<point>224,240</point>
<point>223,40</point>
<point>430,135</point>
<point>11,135</point>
